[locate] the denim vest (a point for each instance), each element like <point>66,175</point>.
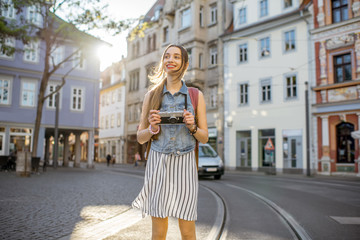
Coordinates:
<point>175,139</point>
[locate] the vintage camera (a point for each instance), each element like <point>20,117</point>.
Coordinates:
<point>175,117</point>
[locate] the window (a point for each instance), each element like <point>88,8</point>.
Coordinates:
<point>345,143</point>
<point>185,18</point>
<point>190,58</point>
<point>166,35</point>
<point>213,97</point>
<point>243,53</point>
<point>213,14</point>
<point>342,68</point>
<point>265,47</point>
<point>213,55</point>
<point>102,123</point>
<point>103,100</point>
<point>137,111</point>
<point>107,122</point>
<point>134,81</point>
<point>289,40</point>
<point>263,8</point>
<point>154,42</point>
<point>288,3</point>
<point>5,90</point>
<point>112,122</point>
<point>31,52</point>
<point>339,10</point>
<point>77,99</point>
<point>149,45</point>
<point>201,16</point>
<point>57,55</point>
<point>149,71</point>
<point>108,98</point>
<point>79,61</point>
<point>28,93</point>
<point>119,95</point>
<point>7,9</point>
<point>33,15</point>
<point>265,90</point>
<point>242,16</point>
<point>244,96</point>
<point>130,113</point>
<point>118,119</point>
<point>291,87</point>
<point>9,44</point>
<point>52,99</point>
<point>201,60</point>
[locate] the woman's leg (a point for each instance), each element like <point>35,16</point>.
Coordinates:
<point>159,228</point>
<point>187,229</point>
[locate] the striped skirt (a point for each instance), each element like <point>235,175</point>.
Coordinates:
<point>170,187</point>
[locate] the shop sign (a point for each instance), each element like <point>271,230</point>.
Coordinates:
<point>212,132</point>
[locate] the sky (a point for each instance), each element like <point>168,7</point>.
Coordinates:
<point>120,9</point>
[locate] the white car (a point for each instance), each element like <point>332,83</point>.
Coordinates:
<point>210,164</point>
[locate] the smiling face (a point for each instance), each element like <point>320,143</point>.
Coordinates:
<point>172,60</point>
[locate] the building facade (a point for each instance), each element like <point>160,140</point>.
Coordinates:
<point>336,109</point>
<point>266,67</point>
<point>196,25</point>
<point>20,78</point>
<point>112,113</point>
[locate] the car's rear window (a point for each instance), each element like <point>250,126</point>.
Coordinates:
<point>206,151</point>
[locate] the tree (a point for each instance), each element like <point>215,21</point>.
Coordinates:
<point>45,25</point>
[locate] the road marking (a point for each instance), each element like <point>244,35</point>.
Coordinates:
<point>347,220</point>
<point>295,226</point>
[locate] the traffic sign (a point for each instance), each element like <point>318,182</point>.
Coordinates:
<point>269,145</point>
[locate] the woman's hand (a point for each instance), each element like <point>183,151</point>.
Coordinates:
<point>189,119</point>
<point>154,120</point>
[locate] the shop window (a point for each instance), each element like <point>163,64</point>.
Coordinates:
<point>345,143</point>
<point>266,156</point>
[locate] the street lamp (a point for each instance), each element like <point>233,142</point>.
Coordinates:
<point>307,130</point>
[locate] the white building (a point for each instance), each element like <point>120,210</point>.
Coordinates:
<point>112,113</point>
<point>267,54</point>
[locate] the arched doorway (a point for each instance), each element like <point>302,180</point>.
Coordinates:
<point>345,143</point>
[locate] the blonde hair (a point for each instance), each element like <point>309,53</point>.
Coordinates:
<point>158,80</point>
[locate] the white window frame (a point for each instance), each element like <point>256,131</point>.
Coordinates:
<point>52,98</point>
<point>119,94</point>
<point>213,96</point>
<point>113,97</point>
<point>213,14</point>
<point>267,47</point>
<point>185,18</point>
<point>291,40</point>
<point>119,119</point>
<point>213,56</point>
<point>166,34</point>
<point>31,52</point>
<point>291,86</point>
<point>10,11</point>
<point>9,80</point>
<point>11,43</point>
<point>27,103</point>
<point>268,91</point>
<point>242,16</point>
<point>57,54</point>
<point>201,16</point>
<point>242,53</point>
<point>266,9</point>
<point>201,60</point>
<point>243,96</point>
<point>291,4</point>
<point>107,122</point>
<point>77,96</point>
<point>79,56</point>
<point>112,121</point>
<point>33,15</point>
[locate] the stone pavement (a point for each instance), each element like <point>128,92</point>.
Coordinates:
<point>67,203</point>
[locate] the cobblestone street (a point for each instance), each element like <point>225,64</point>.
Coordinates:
<point>55,203</point>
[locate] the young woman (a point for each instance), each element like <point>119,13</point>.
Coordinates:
<point>171,181</point>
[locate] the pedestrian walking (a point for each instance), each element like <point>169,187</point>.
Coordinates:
<point>171,181</point>
<point>137,159</point>
<point>108,158</point>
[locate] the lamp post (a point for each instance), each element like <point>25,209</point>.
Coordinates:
<point>307,130</point>
<point>56,133</point>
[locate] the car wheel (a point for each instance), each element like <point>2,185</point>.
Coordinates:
<point>217,177</point>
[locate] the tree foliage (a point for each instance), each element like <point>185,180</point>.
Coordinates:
<point>51,22</point>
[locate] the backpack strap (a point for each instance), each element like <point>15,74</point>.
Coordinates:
<point>194,96</point>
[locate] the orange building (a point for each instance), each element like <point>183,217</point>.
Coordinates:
<point>336,35</point>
